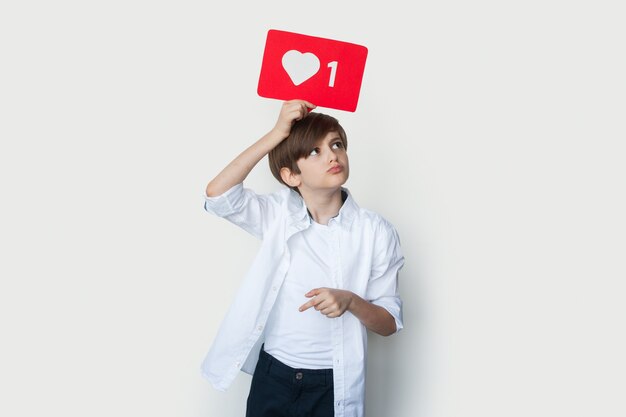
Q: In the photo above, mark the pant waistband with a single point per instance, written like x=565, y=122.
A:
x=306, y=377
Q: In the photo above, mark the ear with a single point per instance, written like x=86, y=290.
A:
x=290, y=178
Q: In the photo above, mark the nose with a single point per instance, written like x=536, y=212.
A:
x=332, y=156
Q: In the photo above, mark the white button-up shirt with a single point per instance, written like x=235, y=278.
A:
x=368, y=258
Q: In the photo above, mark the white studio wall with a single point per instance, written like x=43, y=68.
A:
x=489, y=133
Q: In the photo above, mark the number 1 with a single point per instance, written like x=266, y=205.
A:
x=333, y=71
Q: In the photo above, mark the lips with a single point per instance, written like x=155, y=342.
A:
x=335, y=169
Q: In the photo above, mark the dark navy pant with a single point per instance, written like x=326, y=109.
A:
x=279, y=390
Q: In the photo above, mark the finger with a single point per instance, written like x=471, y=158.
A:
x=290, y=107
x=309, y=105
x=314, y=302
x=306, y=306
x=327, y=310
x=325, y=301
x=305, y=108
x=297, y=113
x=292, y=112
x=311, y=303
x=313, y=292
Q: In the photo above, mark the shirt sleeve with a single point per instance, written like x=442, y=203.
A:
x=382, y=289
x=244, y=208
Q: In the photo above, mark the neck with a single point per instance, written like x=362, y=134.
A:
x=323, y=205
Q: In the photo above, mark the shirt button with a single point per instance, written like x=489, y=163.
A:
x=274, y=288
x=238, y=364
x=260, y=328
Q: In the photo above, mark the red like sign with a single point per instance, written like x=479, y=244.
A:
x=326, y=72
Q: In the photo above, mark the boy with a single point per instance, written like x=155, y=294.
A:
x=326, y=272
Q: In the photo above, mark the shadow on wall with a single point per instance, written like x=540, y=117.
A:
x=397, y=374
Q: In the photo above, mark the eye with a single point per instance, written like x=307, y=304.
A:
x=337, y=145
x=314, y=152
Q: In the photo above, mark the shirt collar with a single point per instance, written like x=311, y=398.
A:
x=300, y=216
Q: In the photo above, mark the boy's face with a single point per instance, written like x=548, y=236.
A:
x=326, y=167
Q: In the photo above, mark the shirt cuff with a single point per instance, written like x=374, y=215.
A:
x=394, y=306
x=222, y=205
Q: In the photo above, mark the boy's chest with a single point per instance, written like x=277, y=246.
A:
x=330, y=257
x=313, y=260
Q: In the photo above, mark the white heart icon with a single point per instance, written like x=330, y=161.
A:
x=300, y=66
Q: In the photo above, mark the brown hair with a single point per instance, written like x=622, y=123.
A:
x=302, y=139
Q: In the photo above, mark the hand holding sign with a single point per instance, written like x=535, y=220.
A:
x=325, y=72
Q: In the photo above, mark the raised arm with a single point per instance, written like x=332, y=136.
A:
x=237, y=171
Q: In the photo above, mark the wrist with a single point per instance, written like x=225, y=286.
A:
x=272, y=139
x=352, y=301
x=278, y=133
